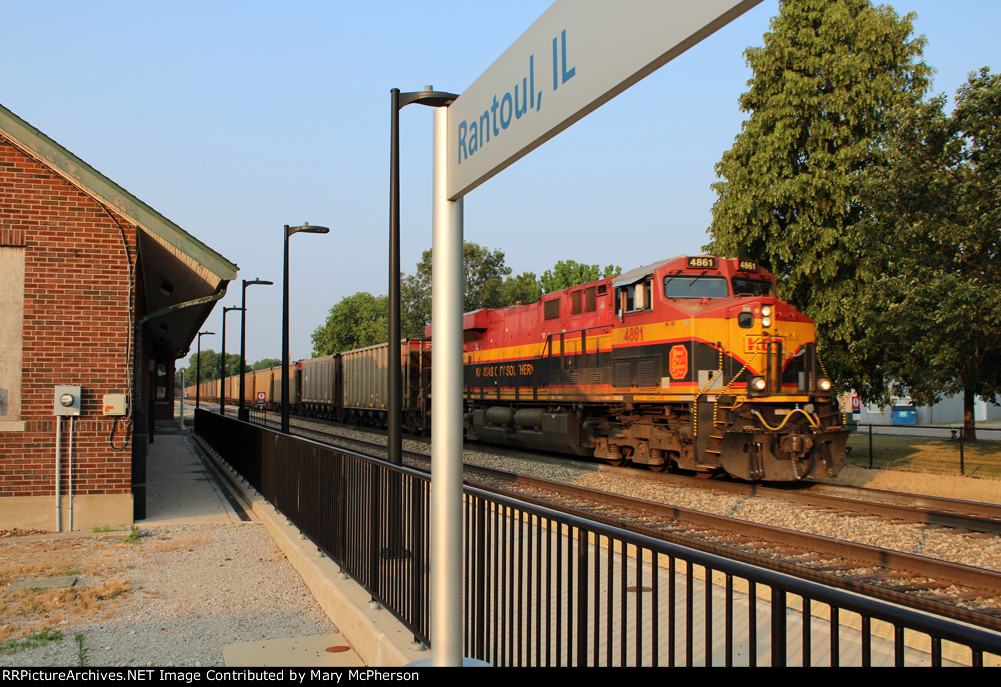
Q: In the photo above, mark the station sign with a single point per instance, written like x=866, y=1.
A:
x=262, y=397
x=577, y=56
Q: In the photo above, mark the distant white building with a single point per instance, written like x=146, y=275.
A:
x=903, y=412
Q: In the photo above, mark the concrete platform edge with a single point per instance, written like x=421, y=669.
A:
x=375, y=635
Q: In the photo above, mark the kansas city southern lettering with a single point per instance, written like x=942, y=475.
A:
x=505, y=370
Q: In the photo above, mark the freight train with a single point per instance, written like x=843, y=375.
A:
x=691, y=362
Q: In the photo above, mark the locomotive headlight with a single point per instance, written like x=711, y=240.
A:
x=758, y=383
x=824, y=384
x=766, y=311
x=766, y=322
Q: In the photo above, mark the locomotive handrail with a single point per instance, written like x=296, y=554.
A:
x=815, y=423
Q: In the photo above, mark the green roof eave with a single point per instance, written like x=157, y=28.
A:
x=92, y=182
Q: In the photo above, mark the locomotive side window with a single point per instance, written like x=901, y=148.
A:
x=624, y=302
x=696, y=287
x=635, y=297
x=753, y=287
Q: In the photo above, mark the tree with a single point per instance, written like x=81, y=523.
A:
x=484, y=274
x=357, y=321
x=567, y=273
x=266, y=363
x=209, y=364
x=932, y=294
x=791, y=188
x=525, y=288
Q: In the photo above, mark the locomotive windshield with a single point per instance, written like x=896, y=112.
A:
x=752, y=287
x=695, y=287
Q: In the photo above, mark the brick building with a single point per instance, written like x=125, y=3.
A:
x=99, y=295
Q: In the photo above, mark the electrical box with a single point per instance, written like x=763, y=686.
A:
x=115, y=404
x=67, y=400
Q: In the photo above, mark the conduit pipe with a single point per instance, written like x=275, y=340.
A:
x=59, y=505
x=70, y=472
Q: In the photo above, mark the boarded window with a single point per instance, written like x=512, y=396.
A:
x=590, y=299
x=11, y=326
x=576, y=303
x=552, y=309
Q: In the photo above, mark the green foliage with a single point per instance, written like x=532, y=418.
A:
x=81, y=650
x=266, y=363
x=567, y=273
x=827, y=85
x=33, y=639
x=361, y=320
x=931, y=300
x=209, y=363
x=357, y=321
x=524, y=288
x=484, y=286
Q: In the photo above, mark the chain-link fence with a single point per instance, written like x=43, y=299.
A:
x=946, y=450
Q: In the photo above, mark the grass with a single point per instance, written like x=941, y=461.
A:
x=100, y=562
x=941, y=456
x=37, y=638
x=81, y=650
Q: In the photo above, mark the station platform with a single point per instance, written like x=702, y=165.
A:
x=186, y=484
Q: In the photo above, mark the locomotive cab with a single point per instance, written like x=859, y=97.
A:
x=766, y=411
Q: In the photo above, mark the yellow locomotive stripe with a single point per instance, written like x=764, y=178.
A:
x=739, y=343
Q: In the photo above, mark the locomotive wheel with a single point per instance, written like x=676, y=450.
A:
x=623, y=458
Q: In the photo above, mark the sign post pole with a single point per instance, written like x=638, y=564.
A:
x=446, y=412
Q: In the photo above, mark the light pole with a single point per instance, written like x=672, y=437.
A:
x=222, y=363
x=304, y=228
x=198, y=368
x=243, y=412
x=394, y=393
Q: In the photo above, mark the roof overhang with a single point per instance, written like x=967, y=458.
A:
x=181, y=276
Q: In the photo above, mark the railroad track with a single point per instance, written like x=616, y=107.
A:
x=965, y=593
x=925, y=510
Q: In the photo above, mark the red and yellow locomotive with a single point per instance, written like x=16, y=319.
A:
x=691, y=361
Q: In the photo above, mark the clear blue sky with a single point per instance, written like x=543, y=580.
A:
x=234, y=118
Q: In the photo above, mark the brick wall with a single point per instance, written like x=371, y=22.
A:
x=76, y=329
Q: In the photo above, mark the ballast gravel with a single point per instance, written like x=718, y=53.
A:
x=941, y=543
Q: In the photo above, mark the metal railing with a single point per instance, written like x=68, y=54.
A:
x=544, y=588
x=927, y=448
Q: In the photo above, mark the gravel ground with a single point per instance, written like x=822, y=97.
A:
x=189, y=591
